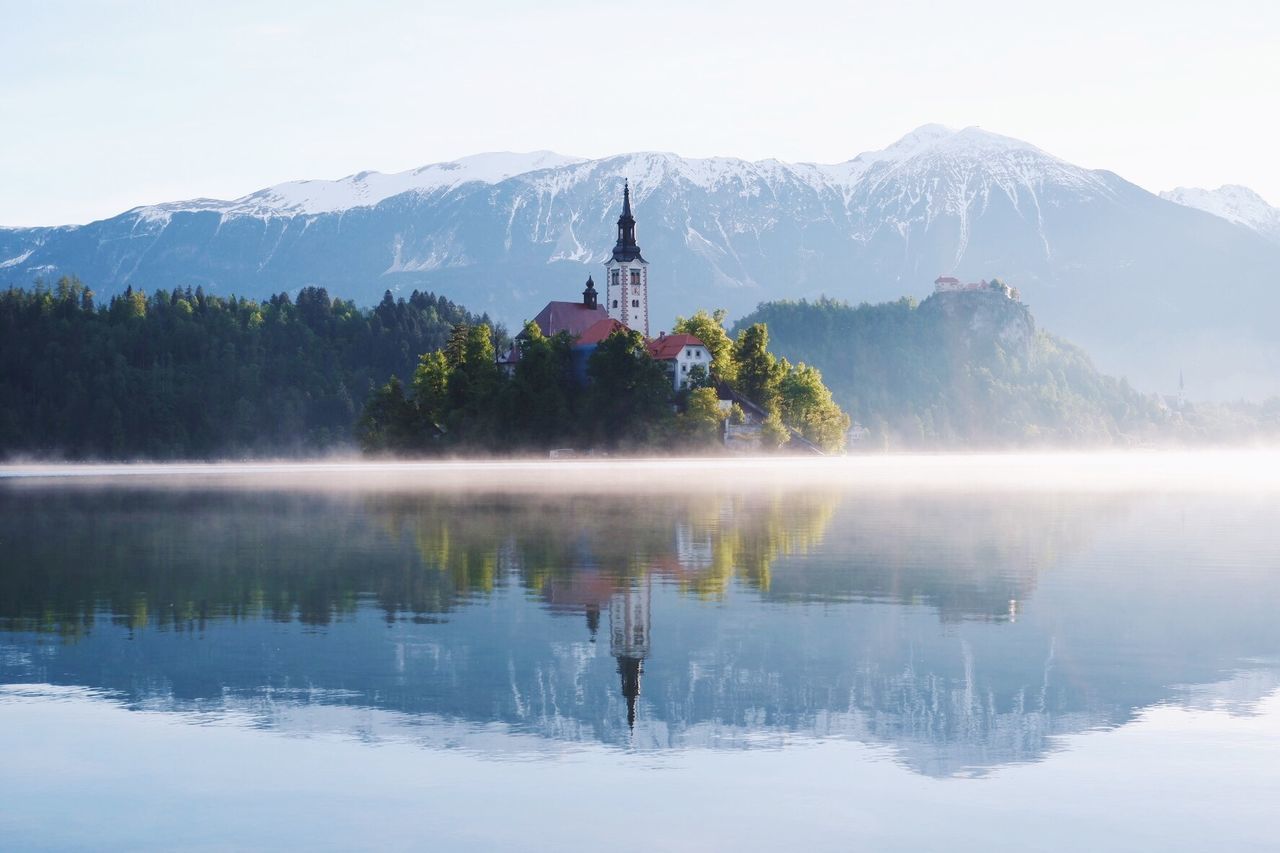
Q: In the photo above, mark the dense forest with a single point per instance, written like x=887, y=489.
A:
x=182, y=374
x=972, y=369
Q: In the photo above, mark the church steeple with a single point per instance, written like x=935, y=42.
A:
x=589, y=295
x=629, y=627
x=627, y=281
x=630, y=668
x=626, y=248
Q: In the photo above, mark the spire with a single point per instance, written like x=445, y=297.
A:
x=630, y=668
x=626, y=248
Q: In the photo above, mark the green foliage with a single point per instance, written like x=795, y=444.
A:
x=758, y=371
x=699, y=423
x=182, y=374
x=389, y=421
x=473, y=383
x=774, y=434
x=794, y=397
x=709, y=328
x=806, y=405
x=541, y=398
x=626, y=404
x=431, y=386
x=699, y=377
x=629, y=394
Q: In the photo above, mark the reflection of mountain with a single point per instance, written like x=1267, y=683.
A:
x=970, y=557
x=711, y=620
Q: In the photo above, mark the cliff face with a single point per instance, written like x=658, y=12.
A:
x=966, y=369
x=975, y=320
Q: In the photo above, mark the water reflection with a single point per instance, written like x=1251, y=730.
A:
x=966, y=631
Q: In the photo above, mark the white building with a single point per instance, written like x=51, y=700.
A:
x=951, y=284
x=679, y=354
x=627, y=274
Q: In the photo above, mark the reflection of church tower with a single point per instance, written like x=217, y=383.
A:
x=629, y=640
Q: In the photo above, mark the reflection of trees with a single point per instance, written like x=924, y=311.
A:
x=699, y=542
x=177, y=559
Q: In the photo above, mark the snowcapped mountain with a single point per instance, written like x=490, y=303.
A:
x=1101, y=261
x=1233, y=203
x=303, y=198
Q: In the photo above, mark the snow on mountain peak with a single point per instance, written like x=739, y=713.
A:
x=1233, y=203
x=931, y=138
x=366, y=189
x=978, y=152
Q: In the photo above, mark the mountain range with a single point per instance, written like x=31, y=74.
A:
x=1152, y=286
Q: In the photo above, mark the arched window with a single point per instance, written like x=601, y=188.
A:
x=615, y=303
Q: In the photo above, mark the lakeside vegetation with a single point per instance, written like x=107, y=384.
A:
x=624, y=402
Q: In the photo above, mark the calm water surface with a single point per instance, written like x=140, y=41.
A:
x=691, y=661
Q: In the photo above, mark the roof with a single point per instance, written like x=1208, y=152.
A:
x=572, y=317
x=946, y=279
x=598, y=331
x=665, y=347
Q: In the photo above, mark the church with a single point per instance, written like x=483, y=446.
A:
x=626, y=305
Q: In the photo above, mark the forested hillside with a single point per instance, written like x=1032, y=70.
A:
x=960, y=369
x=177, y=374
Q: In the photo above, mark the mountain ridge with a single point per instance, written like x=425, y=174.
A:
x=1234, y=203
x=1105, y=263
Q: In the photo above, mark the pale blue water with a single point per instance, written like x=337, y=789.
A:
x=825, y=666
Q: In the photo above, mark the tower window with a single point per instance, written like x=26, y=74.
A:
x=615, y=303
x=635, y=303
x=635, y=278
x=615, y=279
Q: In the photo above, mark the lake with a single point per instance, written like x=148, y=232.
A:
x=1053, y=652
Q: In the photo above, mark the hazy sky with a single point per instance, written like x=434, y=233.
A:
x=109, y=105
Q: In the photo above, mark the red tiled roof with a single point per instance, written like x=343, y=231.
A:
x=572, y=317
x=664, y=347
x=946, y=279
x=598, y=331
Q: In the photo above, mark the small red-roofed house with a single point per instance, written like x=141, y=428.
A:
x=679, y=354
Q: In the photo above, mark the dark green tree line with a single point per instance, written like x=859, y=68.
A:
x=185, y=374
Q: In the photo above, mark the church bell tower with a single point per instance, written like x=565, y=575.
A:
x=627, y=274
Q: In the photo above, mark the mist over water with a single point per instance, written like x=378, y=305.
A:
x=681, y=647
x=1231, y=469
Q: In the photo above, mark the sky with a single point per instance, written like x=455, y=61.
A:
x=108, y=105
